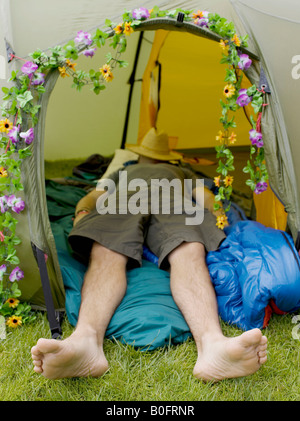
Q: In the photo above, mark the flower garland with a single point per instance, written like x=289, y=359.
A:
x=23, y=100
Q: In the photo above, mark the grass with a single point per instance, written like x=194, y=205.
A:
x=162, y=375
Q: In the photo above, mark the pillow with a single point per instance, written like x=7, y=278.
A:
x=120, y=157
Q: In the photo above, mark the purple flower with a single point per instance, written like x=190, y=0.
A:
x=89, y=52
x=256, y=138
x=243, y=99
x=84, y=37
x=4, y=206
x=16, y=274
x=13, y=134
x=39, y=79
x=2, y=271
x=141, y=13
x=28, y=136
x=260, y=187
x=203, y=21
x=29, y=68
x=16, y=203
x=245, y=62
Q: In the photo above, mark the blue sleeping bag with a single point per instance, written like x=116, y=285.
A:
x=253, y=266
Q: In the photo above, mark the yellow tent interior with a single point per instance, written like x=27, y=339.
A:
x=191, y=86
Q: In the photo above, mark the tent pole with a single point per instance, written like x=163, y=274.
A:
x=131, y=82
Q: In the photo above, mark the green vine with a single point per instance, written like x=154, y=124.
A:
x=20, y=113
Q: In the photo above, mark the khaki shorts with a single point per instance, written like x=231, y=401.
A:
x=126, y=234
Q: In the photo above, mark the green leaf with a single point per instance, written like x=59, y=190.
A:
x=23, y=153
x=123, y=45
x=24, y=98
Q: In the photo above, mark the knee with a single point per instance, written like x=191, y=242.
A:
x=100, y=254
x=187, y=252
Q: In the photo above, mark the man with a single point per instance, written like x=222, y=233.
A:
x=112, y=241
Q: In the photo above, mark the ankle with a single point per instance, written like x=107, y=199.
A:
x=209, y=339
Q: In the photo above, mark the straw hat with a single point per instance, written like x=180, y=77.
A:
x=155, y=145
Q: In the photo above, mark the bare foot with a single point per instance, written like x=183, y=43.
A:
x=232, y=357
x=75, y=356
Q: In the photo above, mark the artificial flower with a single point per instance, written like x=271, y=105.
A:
x=235, y=39
x=12, y=302
x=256, y=138
x=14, y=321
x=222, y=221
x=119, y=29
x=106, y=72
x=260, y=187
x=13, y=134
x=16, y=274
x=70, y=64
x=217, y=181
x=232, y=138
x=28, y=136
x=39, y=79
x=4, y=204
x=243, y=99
x=141, y=13
x=245, y=62
x=29, y=68
x=220, y=136
x=63, y=71
x=201, y=18
x=89, y=52
x=2, y=237
x=16, y=203
x=229, y=90
x=2, y=271
x=83, y=37
x=5, y=125
x=127, y=28
x=224, y=44
x=198, y=15
x=3, y=172
x=228, y=180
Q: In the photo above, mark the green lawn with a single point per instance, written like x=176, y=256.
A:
x=161, y=375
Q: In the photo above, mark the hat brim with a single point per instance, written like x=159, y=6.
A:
x=139, y=149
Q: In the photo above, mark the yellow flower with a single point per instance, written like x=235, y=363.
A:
x=12, y=302
x=228, y=180
x=229, y=90
x=217, y=181
x=128, y=30
x=5, y=125
x=3, y=172
x=63, y=72
x=119, y=29
x=198, y=15
x=232, y=138
x=106, y=72
x=222, y=221
x=224, y=44
x=14, y=321
x=220, y=136
x=236, y=40
x=70, y=64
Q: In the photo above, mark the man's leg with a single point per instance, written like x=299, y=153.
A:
x=219, y=357
x=82, y=354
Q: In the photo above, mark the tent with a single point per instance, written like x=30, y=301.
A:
x=180, y=58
